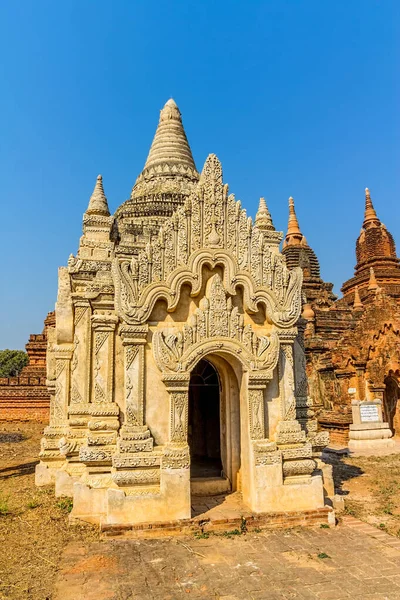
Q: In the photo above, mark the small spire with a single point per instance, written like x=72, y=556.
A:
x=98, y=202
x=357, y=304
x=294, y=236
x=263, y=217
x=370, y=216
x=372, y=284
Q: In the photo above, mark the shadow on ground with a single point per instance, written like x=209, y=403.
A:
x=342, y=471
x=18, y=470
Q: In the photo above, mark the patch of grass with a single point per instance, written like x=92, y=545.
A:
x=323, y=555
x=232, y=532
x=382, y=526
x=201, y=535
x=4, y=508
x=324, y=526
x=349, y=511
x=34, y=503
x=65, y=504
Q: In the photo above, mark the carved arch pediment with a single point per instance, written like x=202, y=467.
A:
x=210, y=229
x=134, y=308
x=216, y=325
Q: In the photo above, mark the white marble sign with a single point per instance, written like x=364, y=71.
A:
x=368, y=413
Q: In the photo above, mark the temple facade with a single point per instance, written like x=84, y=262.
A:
x=352, y=344
x=177, y=363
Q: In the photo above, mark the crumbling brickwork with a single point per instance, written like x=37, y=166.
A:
x=26, y=398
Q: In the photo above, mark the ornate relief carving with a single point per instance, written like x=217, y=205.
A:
x=215, y=318
x=293, y=468
x=136, y=477
x=256, y=409
x=179, y=416
x=217, y=221
x=88, y=455
x=177, y=457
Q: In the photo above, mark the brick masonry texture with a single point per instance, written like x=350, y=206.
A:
x=353, y=560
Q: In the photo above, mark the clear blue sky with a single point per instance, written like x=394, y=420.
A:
x=296, y=98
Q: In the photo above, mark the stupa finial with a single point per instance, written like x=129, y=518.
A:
x=170, y=145
x=370, y=216
x=357, y=304
x=372, y=284
x=294, y=235
x=263, y=217
x=98, y=204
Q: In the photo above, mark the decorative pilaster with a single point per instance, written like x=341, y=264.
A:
x=59, y=397
x=103, y=424
x=80, y=366
x=134, y=339
x=256, y=391
x=177, y=385
x=103, y=326
x=63, y=356
x=291, y=439
x=286, y=374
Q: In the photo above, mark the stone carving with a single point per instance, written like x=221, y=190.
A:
x=266, y=453
x=215, y=318
x=176, y=457
x=136, y=477
x=293, y=468
x=212, y=223
x=256, y=402
x=96, y=455
x=179, y=408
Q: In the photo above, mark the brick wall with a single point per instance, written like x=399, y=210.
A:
x=24, y=399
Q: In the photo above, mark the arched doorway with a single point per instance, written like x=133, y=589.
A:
x=204, y=426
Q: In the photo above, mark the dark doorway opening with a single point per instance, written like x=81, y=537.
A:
x=204, y=430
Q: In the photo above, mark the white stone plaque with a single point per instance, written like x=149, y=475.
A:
x=352, y=390
x=368, y=413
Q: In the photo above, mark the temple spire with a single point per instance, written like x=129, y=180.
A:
x=98, y=204
x=357, y=304
x=370, y=216
x=170, y=143
x=372, y=284
x=294, y=235
x=263, y=217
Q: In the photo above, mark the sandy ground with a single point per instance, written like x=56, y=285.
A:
x=33, y=523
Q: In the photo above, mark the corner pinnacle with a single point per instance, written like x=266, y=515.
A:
x=98, y=204
x=357, y=304
x=263, y=217
x=372, y=284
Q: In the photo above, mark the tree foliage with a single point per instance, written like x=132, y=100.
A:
x=12, y=362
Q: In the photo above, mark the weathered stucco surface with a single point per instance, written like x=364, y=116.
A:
x=178, y=275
